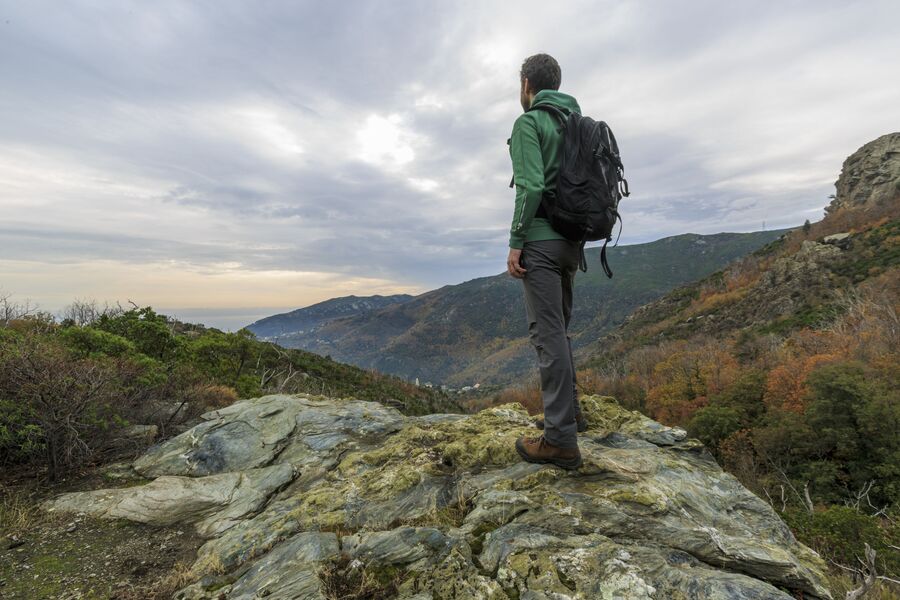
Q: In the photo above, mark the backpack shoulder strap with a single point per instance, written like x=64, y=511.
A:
x=553, y=110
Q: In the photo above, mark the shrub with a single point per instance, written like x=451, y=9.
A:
x=744, y=396
x=213, y=396
x=712, y=424
x=87, y=341
x=528, y=396
x=840, y=532
x=149, y=332
x=64, y=404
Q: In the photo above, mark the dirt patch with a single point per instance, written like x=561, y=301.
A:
x=76, y=556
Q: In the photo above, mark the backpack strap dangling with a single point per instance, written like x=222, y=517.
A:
x=582, y=260
x=603, y=262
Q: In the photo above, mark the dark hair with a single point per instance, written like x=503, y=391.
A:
x=542, y=71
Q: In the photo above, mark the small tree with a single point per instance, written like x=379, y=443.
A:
x=63, y=403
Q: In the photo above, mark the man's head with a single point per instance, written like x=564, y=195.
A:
x=539, y=72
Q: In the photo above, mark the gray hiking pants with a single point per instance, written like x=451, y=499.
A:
x=550, y=272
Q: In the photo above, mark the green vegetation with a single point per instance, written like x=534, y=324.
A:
x=343, y=580
x=840, y=533
x=872, y=253
x=806, y=316
x=786, y=365
x=70, y=389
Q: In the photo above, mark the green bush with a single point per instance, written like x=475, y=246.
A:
x=712, y=424
x=87, y=341
x=20, y=438
x=56, y=406
x=841, y=532
x=149, y=332
x=745, y=396
x=845, y=438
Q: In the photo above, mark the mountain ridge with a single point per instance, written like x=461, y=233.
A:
x=307, y=318
x=476, y=331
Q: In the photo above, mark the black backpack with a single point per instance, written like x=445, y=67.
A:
x=584, y=206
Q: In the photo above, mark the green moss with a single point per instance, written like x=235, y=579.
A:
x=60, y=562
x=532, y=480
x=539, y=571
x=321, y=508
x=603, y=412
x=641, y=497
x=47, y=575
x=445, y=517
x=410, y=456
x=455, y=577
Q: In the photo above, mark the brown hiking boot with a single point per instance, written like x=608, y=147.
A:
x=579, y=419
x=539, y=450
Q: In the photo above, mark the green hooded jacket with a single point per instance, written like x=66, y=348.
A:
x=535, y=151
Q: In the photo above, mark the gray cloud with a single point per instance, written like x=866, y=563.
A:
x=369, y=138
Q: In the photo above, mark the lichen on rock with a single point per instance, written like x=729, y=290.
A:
x=310, y=490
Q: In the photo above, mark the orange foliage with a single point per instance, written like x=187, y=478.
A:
x=738, y=456
x=786, y=385
x=711, y=300
x=593, y=382
x=528, y=396
x=683, y=382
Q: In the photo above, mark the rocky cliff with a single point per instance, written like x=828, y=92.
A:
x=871, y=175
x=298, y=496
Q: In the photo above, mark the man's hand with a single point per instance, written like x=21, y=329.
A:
x=512, y=263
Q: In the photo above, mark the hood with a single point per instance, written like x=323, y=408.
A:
x=557, y=98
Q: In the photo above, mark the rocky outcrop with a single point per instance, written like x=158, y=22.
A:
x=294, y=493
x=871, y=175
x=786, y=285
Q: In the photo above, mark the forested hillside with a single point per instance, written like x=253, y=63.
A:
x=786, y=364
x=476, y=332
x=71, y=389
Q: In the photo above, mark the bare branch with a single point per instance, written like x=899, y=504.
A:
x=868, y=573
x=806, y=499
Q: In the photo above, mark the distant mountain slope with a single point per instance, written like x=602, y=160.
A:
x=793, y=282
x=476, y=331
x=307, y=319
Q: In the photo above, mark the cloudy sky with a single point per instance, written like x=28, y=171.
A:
x=224, y=160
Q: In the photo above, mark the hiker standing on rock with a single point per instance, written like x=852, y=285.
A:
x=545, y=261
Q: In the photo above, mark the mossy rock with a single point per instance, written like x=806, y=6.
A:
x=443, y=507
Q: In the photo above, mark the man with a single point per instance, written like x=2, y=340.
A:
x=546, y=262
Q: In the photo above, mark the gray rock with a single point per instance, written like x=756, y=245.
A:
x=288, y=571
x=245, y=435
x=141, y=433
x=448, y=509
x=214, y=503
x=871, y=175
x=841, y=240
x=402, y=546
